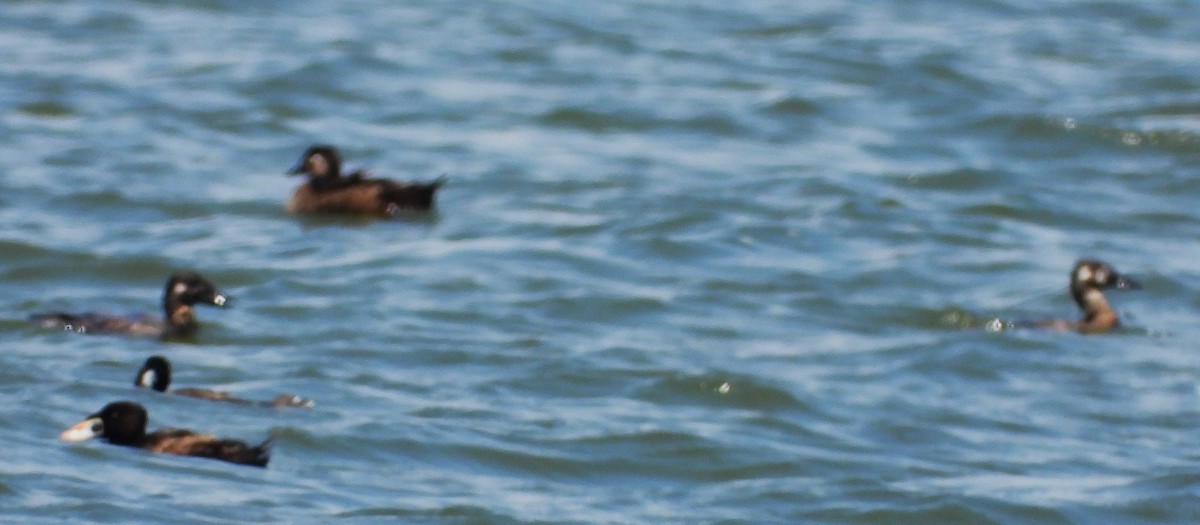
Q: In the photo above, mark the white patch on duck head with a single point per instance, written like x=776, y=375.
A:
x=147, y=379
x=318, y=165
x=180, y=288
x=1084, y=274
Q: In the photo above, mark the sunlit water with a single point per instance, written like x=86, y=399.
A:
x=696, y=261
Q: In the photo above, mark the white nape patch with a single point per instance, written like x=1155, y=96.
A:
x=179, y=288
x=147, y=379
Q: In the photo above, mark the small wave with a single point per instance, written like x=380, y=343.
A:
x=720, y=390
x=452, y=513
x=608, y=122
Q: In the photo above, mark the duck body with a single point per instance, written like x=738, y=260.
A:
x=100, y=323
x=327, y=190
x=156, y=374
x=124, y=423
x=184, y=290
x=1089, y=279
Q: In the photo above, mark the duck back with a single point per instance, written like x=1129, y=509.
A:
x=182, y=442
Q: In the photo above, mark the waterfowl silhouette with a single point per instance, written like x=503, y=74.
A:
x=156, y=374
x=1088, y=280
x=329, y=191
x=124, y=423
x=184, y=290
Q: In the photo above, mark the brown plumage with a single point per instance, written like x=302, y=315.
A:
x=124, y=423
x=329, y=191
x=156, y=374
x=1088, y=280
x=183, y=291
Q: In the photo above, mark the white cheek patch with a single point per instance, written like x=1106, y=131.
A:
x=317, y=165
x=1084, y=274
x=147, y=378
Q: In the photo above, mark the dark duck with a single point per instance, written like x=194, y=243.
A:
x=156, y=374
x=1089, y=279
x=183, y=292
x=124, y=423
x=329, y=191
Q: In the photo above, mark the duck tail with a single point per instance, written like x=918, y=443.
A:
x=416, y=196
x=289, y=401
x=260, y=454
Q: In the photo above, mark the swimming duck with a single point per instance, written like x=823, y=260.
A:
x=1088, y=279
x=156, y=374
x=329, y=191
x=183, y=291
x=124, y=423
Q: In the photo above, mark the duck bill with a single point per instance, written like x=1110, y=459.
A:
x=219, y=300
x=84, y=430
x=297, y=169
x=1125, y=283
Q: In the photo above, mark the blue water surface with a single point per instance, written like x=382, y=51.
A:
x=696, y=262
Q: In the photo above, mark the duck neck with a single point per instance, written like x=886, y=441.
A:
x=180, y=317
x=325, y=182
x=1097, y=313
x=129, y=433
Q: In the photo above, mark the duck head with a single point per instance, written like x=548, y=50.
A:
x=155, y=373
x=319, y=161
x=121, y=423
